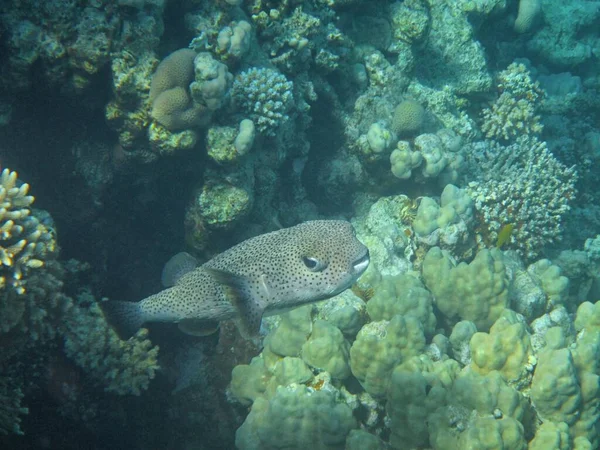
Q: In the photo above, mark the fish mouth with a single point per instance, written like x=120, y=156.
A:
x=361, y=264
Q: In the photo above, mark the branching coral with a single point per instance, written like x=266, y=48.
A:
x=522, y=184
x=266, y=96
x=122, y=367
x=514, y=112
x=24, y=241
x=30, y=278
x=10, y=407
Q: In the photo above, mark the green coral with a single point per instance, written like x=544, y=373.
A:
x=296, y=417
x=507, y=349
x=166, y=142
x=481, y=412
x=291, y=334
x=223, y=205
x=327, y=350
x=381, y=346
x=417, y=388
x=477, y=291
x=121, y=367
x=405, y=295
x=220, y=145
x=10, y=407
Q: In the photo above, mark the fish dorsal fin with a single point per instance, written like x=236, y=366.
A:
x=177, y=267
x=240, y=294
x=198, y=327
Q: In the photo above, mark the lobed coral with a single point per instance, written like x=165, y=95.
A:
x=296, y=416
x=403, y=295
x=477, y=291
x=435, y=155
x=448, y=224
x=381, y=346
x=528, y=15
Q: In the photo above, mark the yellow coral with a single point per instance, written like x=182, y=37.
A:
x=24, y=240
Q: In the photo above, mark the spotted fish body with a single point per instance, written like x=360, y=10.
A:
x=266, y=274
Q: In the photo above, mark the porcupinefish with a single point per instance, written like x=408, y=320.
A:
x=263, y=275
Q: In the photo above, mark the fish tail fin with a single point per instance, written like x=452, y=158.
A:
x=125, y=317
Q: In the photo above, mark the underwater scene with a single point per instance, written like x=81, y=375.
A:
x=300, y=224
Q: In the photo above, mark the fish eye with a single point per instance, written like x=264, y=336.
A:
x=313, y=263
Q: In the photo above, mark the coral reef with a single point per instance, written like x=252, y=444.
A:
x=521, y=184
x=461, y=138
x=36, y=313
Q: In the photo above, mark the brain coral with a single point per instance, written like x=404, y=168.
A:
x=408, y=118
x=172, y=105
x=176, y=70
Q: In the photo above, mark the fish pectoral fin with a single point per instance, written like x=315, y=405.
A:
x=198, y=327
x=238, y=291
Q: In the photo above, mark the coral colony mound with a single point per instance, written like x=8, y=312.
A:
x=262, y=225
